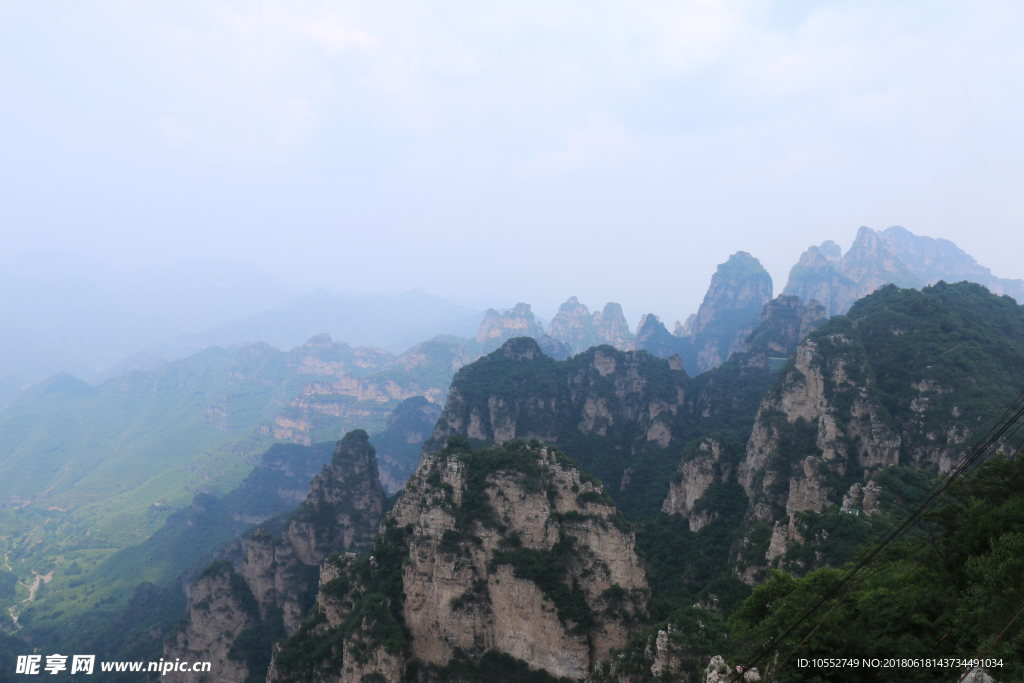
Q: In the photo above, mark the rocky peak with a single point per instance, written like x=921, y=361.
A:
x=817, y=277
x=877, y=389
x=508, y=551
x=574, y=325
x=739, y=285
x=832, y=251
x=739, y=290
x=265, y=590
x=344, y=505
x=872, y=263
x=731, y=308
x=579, y=329
x=515, y=322
x=612, y=327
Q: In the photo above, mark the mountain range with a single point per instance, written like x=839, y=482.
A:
x=734, y=448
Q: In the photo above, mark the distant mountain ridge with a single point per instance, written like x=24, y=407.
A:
x=892, y=256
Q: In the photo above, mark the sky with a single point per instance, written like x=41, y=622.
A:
x=508, y=151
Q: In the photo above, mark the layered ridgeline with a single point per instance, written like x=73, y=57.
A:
x=892, y=256
x=91, y=472
x=870, y=409
x=620, y=414
x=121, y=607
x=266, y=584
x=494, y=562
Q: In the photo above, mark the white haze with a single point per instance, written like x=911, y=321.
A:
x=526, y=150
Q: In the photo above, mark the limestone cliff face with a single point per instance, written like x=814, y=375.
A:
x=509, y=549
x=222, y=607
x=599, y=392
x=577, y=327
x=268, y=584
x=872, y=263
x=890, y=384
x=701, y=466
x=818, y=423
x=739, y=290
x=344, y=505
x=516, y=322
x=471, y=584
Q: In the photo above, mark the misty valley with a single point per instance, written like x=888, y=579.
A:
x=372, y=489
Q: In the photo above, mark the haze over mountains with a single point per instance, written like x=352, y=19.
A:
x=102, y=482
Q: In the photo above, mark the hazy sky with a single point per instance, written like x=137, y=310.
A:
x=525, y=150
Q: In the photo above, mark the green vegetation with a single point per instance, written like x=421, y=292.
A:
x=549, y=569
x=371, y=587
x=949, y=595
x=255, y=645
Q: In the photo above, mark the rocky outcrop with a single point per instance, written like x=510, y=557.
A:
x=731, y=308
x=871, y=263
x=518, y=392
x=577, y=327
x=701, y=466
x=816, y=277
x=612, y=327
x=222, y=607
x=267, y=586
x=729, y=313
x=344, y=505
x=515, y=322
x=885, y=386
x=507, y=550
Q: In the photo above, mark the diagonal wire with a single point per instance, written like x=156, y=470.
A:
x=994, y=435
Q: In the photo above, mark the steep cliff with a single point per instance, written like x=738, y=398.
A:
x=869, y=264
x=507, y=551
x=222, y=608
x=239, y=609
x=624, y=415
x=904, y=384
x=729, y=313
x=739, y=290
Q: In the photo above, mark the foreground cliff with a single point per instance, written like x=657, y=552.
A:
x=496, y=555
x=239, y=608
x=869, y=408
